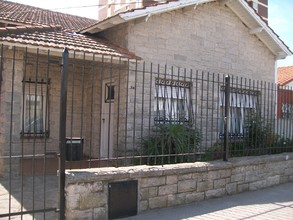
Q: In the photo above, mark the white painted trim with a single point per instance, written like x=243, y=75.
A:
x=266, y=29
x=161, y=8
x=58, y=52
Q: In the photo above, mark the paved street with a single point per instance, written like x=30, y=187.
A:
x=275, y=203
x=32, y=193
x=271, y=203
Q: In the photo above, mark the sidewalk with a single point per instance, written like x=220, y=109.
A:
x=270, y=203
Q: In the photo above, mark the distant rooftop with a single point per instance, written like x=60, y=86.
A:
x=285, y=75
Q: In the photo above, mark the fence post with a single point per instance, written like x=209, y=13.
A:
x=226, y=117
x=62, y=133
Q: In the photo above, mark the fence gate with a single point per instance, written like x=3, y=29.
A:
x=29, y=147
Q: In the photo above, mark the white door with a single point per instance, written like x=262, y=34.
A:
x=107, y=120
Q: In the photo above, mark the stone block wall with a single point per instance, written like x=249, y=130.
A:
x=169, y=185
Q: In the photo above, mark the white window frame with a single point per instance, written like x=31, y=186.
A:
x=287, y=110
x=242, y=102
x=172, y=101
x=35, y=111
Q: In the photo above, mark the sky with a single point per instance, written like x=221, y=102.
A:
x=280, y=16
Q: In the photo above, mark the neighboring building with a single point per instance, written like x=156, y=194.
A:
x=109, y=8
x=285, y=92
x=31, y=44
x=285, y=76
x=261, y=7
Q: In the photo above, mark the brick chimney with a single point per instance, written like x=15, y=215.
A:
x=261, y=7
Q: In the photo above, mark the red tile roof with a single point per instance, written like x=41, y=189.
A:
x=30, y=26
x=54, y=37
x=19, y=13
x=285, y=75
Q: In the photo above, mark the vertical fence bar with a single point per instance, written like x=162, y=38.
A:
x=126, y=109
x=72, y=103
x=226, y=119
x=11, y=130
x=1, y=65
x=83, y=69
x=118, y=109
x=62, y=133
x=142, y=107
x=46, y=128
x=92, y=108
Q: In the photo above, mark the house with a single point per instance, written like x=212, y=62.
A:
x=113, y=98
x=31, y=44
x=226, y=37
x=285, y=94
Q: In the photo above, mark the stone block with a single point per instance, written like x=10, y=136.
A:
x=153, y=192
x=220, y=183
x=77, y=214
x=153, y=181
x=92, y=200
x=204, y=186
x=167, y=189
x=176, y=199
x=251, y=176
x=194, y=197
x=158, y=202
x=185, y=176
x=288, y=171
x=171, y=179
x=215, y=193
x=186, y=186
x=239, y=177
x=144, y=194
x=212, y=175
x=231, y=188
x=200, y=176
x=257, y=185
x=100, y=213
x=81, y=188
x=143, y=206
x=284, y=179
x=72, y=201
x=242, y=187
x=273, y=180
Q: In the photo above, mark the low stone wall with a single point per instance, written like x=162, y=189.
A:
x=169, y=185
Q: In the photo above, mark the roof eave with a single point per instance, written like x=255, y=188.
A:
x=76, y=55
x=239, y=7
x=254, y=22
x=140, y=13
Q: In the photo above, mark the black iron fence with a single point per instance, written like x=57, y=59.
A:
x=96, y=111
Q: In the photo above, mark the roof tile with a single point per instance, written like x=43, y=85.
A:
x=20, y=13
x=285, y=75
x=28, y=25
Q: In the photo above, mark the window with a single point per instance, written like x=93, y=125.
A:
x=109, y=93
x=287, y=110
x=172, y=101
x=255, y=5
x=242, y=103
x=35, y=114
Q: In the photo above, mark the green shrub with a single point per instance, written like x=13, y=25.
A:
x=171, y=143
x=213, y=153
